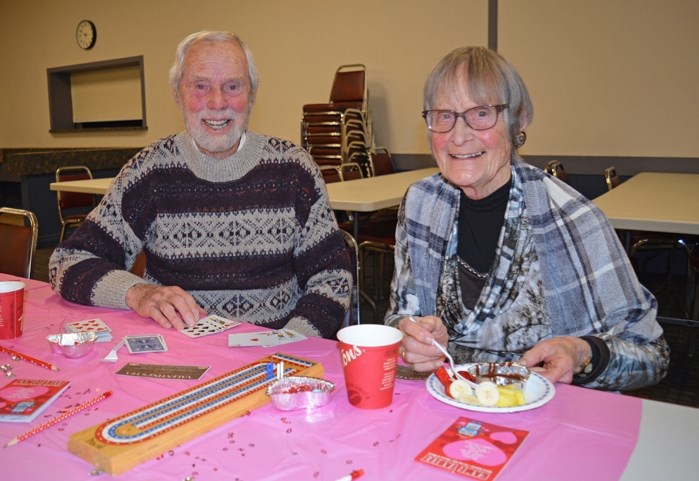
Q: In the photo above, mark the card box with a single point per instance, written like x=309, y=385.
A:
x=22, y=400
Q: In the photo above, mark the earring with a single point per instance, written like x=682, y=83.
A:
x=520, y=139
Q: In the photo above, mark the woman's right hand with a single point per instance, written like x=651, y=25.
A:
x=416, y=348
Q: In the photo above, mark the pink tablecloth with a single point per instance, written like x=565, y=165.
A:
x=580, y=435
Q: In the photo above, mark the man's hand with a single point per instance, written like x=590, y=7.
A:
x=168, y=306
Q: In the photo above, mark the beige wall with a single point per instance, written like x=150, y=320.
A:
x=608, y=77
x=297, y=47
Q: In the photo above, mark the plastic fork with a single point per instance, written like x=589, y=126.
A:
x=486, y=391
x=455, y=373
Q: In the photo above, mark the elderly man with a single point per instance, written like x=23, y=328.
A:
x=231, y=222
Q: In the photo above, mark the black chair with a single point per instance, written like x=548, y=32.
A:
x=355, y=314
x=692, y=284
x=73, y=207
x=19, y=231
x=611, y=178
x=556, y=169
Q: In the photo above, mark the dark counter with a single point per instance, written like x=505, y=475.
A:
x=25, y=175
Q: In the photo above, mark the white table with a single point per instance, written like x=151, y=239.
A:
x=654, y=201
x=88, y=186
x=361, y=195
x=667, y=443
x=373, y=193
x=657, y=202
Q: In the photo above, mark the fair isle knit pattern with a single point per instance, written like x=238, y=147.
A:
x=251, y=237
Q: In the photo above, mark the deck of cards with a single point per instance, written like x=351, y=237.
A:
x=209, y=325
x=264, y=338
x=101, y=330
x=146, y=343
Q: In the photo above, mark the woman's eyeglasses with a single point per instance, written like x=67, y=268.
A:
x=482, y=117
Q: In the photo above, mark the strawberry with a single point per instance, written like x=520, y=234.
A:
x=468, y=376
x=444, y=377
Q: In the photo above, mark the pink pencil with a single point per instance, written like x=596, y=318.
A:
x=30, y=359
x=58, y=419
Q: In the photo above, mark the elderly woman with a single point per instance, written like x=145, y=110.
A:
x=499, y=261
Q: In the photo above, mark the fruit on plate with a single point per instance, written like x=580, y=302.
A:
x=510, y=396
x=487, y=393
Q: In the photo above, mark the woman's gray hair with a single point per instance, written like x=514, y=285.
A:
x=490, y=78
x=177, y=69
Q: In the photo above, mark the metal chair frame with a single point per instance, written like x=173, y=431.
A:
x=556, y=169
x=71, y=201
x=18, y=263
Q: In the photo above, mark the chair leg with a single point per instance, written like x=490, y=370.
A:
x=63, y=232
x=380, y=274
x=691, y=303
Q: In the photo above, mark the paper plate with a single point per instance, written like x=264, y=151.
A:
x=537, y=391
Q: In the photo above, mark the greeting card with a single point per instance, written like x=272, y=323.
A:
x=474, y=449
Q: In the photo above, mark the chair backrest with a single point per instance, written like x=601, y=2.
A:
x=556, y=169
x=349, y=84
x=611, y=178
x=331, y=173
x=355, y=304
x=351, y=171
x=339, y=173
x=381, y=162
x=19, y=231
x=72, y=200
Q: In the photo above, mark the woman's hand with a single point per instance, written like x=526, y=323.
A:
x=416, y=347
x=168, y=306
x=557, y=358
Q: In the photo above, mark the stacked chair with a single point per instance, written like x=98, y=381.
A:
x=338, y=135
x=339, y=131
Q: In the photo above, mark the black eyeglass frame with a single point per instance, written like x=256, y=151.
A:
x=498, y=108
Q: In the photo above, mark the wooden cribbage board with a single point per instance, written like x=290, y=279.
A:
x=123, y=442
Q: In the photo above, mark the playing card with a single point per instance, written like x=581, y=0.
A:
x=141, y=344
x=209, y=325
x=290, y=336
x=258, y=339
x=101, y=330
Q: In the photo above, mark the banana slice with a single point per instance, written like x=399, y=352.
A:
x=460, y=390
x=487, y=393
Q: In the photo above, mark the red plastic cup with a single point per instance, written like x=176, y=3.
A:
x=369, y=359
x=11, y=309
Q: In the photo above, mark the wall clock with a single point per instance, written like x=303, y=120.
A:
x=86, y=34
